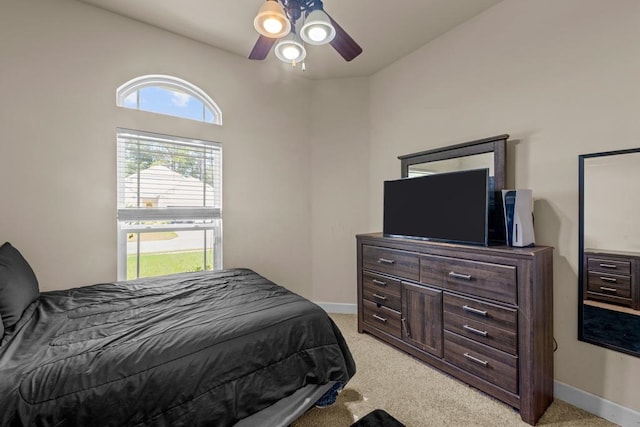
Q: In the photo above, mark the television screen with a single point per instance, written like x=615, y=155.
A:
x=451, y=207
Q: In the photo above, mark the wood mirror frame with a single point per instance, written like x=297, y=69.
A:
x=495, y=144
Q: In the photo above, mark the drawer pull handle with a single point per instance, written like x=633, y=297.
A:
x=604, y=288
x=379, y=297
x=460, y=275
x=608, y=279
x=476, y=360
x=379, y=282
x=380, y=318
x=386, y=261
x=475, y=331
x=406, y=328
x=608, y=266
x=474, y=310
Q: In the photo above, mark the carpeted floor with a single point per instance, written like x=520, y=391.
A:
x=419, y=396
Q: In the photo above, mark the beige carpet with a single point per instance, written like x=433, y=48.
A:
x=418, y=395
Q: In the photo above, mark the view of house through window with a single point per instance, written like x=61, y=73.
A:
x=169, y=204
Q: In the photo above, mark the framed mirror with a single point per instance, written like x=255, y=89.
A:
x=609, y=247
x=482, y=153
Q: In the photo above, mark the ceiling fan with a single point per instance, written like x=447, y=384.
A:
x=276, y=23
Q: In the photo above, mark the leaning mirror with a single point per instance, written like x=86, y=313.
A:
x=483, y=153
x=609, y=246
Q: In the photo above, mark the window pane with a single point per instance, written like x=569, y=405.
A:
x=170, y=102
x=161, y=176
x=131, y=101
x=168, y=252
x=170, y=96
x=169, y=204
x=208, y=115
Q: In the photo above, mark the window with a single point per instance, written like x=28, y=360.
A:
x=169, y=96
x=169, y=204
x=169, y=188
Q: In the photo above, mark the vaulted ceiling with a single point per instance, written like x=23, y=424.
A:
x=386, y=30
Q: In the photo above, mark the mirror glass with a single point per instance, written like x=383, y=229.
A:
x=477, y=161
x=609, y=285
x=479, y=154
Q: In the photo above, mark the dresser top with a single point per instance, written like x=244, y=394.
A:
x=416, y=244
x=605, y=252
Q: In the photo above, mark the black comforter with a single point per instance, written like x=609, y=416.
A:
x=205, y=348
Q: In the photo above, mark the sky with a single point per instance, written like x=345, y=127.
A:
x=170, y=102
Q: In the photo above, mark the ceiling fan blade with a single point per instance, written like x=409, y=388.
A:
x=262, y=47
x=343, y=43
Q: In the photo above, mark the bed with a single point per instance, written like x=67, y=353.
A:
x=206, y=348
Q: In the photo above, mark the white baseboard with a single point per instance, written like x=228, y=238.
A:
x=339, y=308
x=596, y=405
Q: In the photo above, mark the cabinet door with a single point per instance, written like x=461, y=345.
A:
x=422, y=318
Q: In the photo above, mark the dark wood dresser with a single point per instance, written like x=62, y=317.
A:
x=481, y=314
x=612, y=277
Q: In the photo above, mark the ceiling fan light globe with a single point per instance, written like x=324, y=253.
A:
x=270, y=15
x=317, y=29
x=317, y=33
x=290, y=49
x=272, y=25
x=291, y=52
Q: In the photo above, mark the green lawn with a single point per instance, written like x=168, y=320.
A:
x=167, y=263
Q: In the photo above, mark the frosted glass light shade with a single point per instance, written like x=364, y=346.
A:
x=290, y=49
x=271, y=21
x=317, y=28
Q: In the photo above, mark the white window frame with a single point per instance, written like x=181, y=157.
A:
x=169, y=82
x=178, y=213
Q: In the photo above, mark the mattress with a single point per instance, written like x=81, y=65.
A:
x=205, y=348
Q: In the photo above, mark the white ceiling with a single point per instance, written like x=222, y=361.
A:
x=386, y=30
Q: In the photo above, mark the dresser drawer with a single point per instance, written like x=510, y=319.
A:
x=490, y=364
x=380, y=283
x=391, y=261
x=608, y=265
x=382, y=290
x=486, y=323
x=382, y=318
x=609, y=284
x=492, y=281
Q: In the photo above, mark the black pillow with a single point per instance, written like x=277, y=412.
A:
x=18, y=285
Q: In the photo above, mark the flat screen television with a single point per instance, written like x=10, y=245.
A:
x=449, y=207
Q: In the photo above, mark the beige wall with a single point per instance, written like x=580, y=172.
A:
x=61, y=62
x=340, y=177
x=562, y=78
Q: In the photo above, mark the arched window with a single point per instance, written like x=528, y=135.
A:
x=170, y=96
x=169, y=187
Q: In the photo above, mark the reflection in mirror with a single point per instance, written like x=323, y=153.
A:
x=479, y=154
x=477, y=161
x=610, y=250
